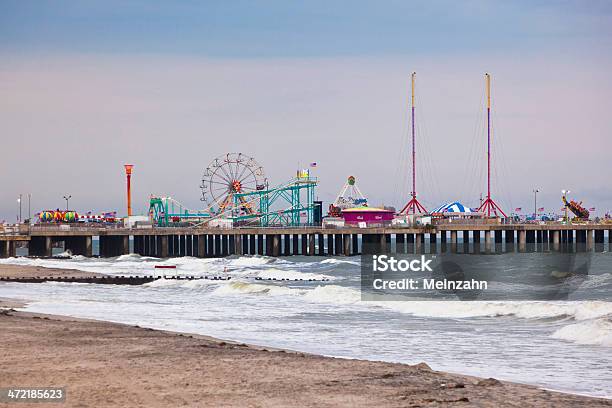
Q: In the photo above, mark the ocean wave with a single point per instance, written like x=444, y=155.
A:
x=132, y=257
x=246, y=261
x=273, y=273
x=237, y=287
x=189, y=284
x=334, y=261
x=596, y=281
x=579, y=310
x=333, y=294
x=593, y=332
x=57, y=283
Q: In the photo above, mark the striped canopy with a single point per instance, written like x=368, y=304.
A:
x=454, y=207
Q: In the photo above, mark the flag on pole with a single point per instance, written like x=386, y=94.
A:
x=518, y=209
x=592, y=209
x=313, y=164
x=541, y=209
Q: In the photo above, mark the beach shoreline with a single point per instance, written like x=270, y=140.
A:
x=93, y=359
x=31, y=271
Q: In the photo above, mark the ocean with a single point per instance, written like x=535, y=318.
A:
x=558, y=345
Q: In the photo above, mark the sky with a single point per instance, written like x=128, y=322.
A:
x=86, y=86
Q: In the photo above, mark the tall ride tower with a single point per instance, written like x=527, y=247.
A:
x=489, y=206
x=413, y=206
x=128, y=174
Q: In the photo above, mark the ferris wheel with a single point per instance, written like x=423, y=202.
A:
x=230, y=174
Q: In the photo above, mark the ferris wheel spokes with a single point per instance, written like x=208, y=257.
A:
x=228, y=175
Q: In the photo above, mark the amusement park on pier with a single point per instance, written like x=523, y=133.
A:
x=237, y=194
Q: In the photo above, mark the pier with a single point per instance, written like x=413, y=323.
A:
x=164, y=242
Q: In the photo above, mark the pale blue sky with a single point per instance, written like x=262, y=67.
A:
x=240, y=29
x=89, y=85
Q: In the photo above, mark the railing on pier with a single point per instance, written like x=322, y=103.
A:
x=15, y=229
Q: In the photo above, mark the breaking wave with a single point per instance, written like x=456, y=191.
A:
x=235, y=288
x=188, y=284
x=290, y=274
x=521, y=309
x=593, y=332
x=335, y=261
x=333, y=294
x=246, y=261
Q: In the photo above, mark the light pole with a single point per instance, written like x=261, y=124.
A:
x=29, y=207
x=67, y=198
x=19, y=201
x=535, y=203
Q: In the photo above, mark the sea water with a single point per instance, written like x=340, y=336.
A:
x=559, y=345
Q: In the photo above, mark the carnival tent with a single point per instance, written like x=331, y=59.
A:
x=453, y=208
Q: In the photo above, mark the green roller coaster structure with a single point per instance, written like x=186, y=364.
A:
x=291, y=204
x=294, y=200
x=166, y=211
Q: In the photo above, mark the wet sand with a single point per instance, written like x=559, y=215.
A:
x=115, y=365
x=28, y=271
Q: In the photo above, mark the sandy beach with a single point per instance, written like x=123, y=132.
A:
x=115, y=365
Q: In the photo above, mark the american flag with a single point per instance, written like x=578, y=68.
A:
x=592, y=209
x=518, y=209
x=541, y=209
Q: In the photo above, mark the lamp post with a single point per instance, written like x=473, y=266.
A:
x=19, y=201
x=535, y=203
x=67, y=198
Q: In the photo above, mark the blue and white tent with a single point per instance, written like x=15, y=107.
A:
x=453, y=208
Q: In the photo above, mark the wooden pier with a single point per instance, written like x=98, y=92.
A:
x=309, y=241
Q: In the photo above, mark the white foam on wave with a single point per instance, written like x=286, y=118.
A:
x=76, y=262
x=131, y=257
x=333, y=294
x=246, y=261
x=55, y=283
x=273, y=273
x=522, y=309
x=175, y=283
x=334, y=261
x=595, y=281
x=237, y=287
x=593, y=332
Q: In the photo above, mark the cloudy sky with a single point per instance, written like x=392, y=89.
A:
x=86, y=86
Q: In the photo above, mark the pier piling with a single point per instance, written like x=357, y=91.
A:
x=347, y=244
x=453, y=236
x=38, y=246
x=321, y=243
